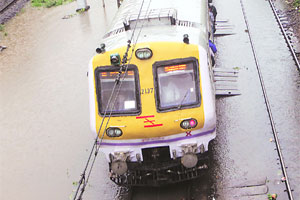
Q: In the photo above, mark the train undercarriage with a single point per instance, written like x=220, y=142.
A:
x=160, y=170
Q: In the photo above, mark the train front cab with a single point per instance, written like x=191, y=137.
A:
x=163, y=115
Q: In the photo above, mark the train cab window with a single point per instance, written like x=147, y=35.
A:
x=125, y=99
x=177, y=84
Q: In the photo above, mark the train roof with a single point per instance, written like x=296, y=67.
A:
x=166, y=20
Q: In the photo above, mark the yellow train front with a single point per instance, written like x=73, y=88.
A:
x=152, y=102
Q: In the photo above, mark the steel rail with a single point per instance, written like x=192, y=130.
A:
x=7, y=6
x=285, y=35
x=287, y=182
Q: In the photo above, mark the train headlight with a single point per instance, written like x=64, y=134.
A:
x=113, y=132
x=185, y=124
x=188, y=123
x=143, y=54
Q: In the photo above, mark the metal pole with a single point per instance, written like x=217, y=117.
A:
x=103, y=3
x=82, y=6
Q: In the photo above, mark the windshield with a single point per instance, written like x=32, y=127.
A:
x=177, y=86
x=124, y=98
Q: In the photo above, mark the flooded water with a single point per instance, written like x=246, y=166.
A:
x=44, y=114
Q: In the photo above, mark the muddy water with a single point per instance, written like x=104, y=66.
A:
x=44, y=120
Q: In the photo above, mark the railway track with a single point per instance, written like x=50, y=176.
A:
x=281, y=20
x=4, y=5
x=9, y=8
x=189, y=190
x=274, y=131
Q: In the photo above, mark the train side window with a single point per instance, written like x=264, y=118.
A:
x=125, y=99
x=177, y=84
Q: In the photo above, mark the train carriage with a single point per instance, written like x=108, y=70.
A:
x=152, y=101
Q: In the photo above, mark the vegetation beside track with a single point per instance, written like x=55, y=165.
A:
x=2, y=31
x=1, y=27
x=49, y=3
x=296, y=4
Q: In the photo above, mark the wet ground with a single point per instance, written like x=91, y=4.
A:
x=44, y=113
x=44, y=120
x=245, y=150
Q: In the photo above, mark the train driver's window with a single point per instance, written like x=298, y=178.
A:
x=177, y=86
x=124, y=99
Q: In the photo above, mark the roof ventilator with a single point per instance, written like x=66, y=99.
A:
x=153, y=17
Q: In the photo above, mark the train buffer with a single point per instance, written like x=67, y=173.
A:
x=226, y=83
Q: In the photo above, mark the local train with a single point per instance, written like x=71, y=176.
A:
x=152, y=95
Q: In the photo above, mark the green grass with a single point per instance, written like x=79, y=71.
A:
x=296, y=3
x=2, y=27
x=49, y=3
x=2, y=30
x=21, y=11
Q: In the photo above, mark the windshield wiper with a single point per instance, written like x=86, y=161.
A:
x=187, y=92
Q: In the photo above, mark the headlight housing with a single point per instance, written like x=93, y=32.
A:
x=143, y=53
x=188, y=123
x=113, y=132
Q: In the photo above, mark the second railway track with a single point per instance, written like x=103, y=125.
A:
x=9, y=8
x=189, y=191
x=266, y=99
x=286, y=37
